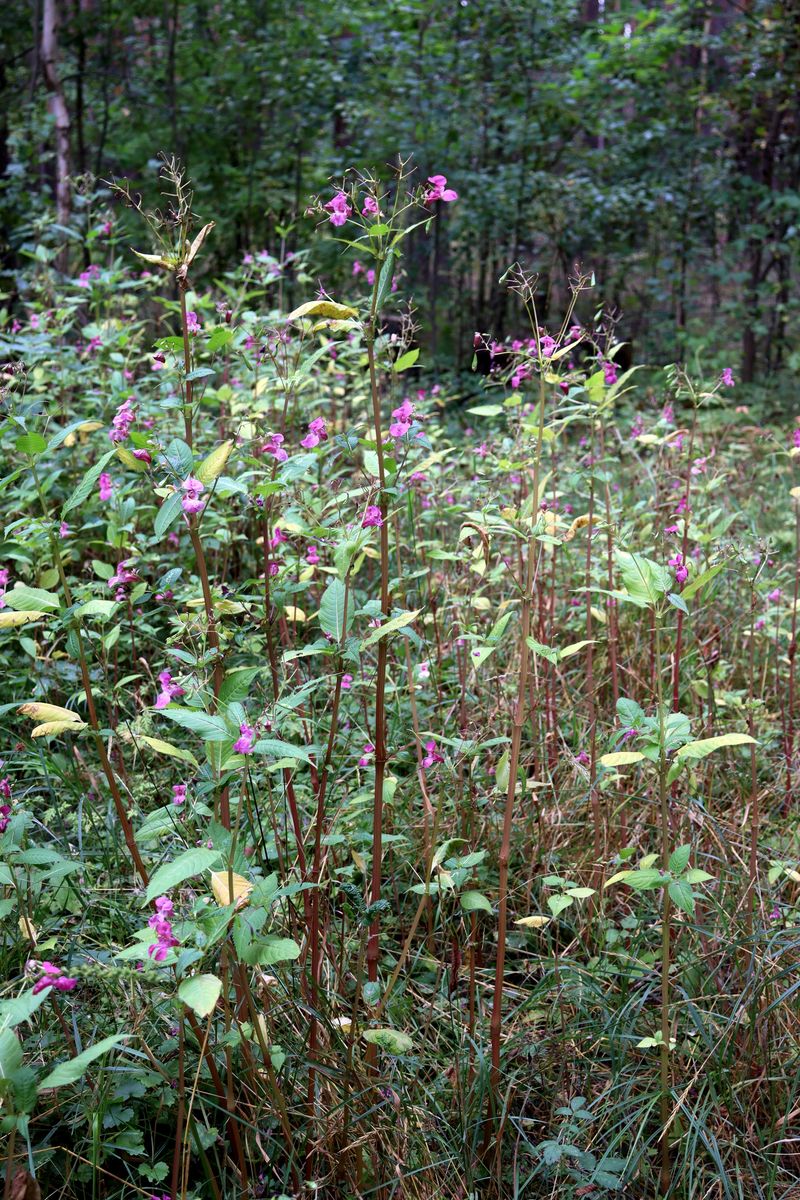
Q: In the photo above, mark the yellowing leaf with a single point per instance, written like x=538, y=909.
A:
x=130, y=460
x=50, y=727
x=10, y=619
x=534, y=922
x=323, y=308
x=162, y=747
x=213, y=466
x=49, y=712
x=795, y=491
x=221, y=887
x=28, y=930
x=622, y=758
x=294, y=614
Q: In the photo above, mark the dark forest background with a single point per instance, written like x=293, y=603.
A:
x=657, y=144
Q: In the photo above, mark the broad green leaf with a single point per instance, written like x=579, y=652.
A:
x=23, y=598
x=696, y=875
x=200, y=993
x=332, y=610
x=679, y=859
x=645, y=581
x=557, y=904
x=167, y=514
x=394, y=1041
x=681, y=895
x=185, y=866
x=209, y=726
x=391, y=626
x=645, y=879
x=706, y=746
x=322, y=308
x=694, y=587
x=475, y=902
x=406, y=360
x=278, y=749
x=486, y=410
x=68, y=1072
x=31, y=444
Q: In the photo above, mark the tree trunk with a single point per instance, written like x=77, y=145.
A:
x=57, y=106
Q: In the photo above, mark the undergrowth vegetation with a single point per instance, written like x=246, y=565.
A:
x=400, y=774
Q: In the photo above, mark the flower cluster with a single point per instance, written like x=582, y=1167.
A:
x=726, y=378
x=403, y=416
x=245, y=741
x=123, y=419
x=160, y=922
x=317, y=432
x=52, y=976
x=339, y=209
x=192, y=491
x=372, y=516
x=610, y=373
x=274, y=446
x=122, y=578
x=169, y=690
x=439, y=190
x=366, y=755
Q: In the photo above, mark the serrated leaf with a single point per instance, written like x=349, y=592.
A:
x=679, y=859
x=23, y=598
x=221, y=887
x=11, y=620
x=681, y=895
x=210, y=726
x=162, y=747
x=332, y=610
x=200, y=993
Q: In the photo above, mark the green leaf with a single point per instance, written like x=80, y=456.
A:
x=236, y=684
x=68, y=1072
x=213, y=466
x=191, y=862
x=681, y=895
x=406, y=360
x=332, y=610
x=678, y=602
x=10, y=1053
x=550, y=653
x=210, y=727
x=278, y=749
x=167, y=514
x=696, y=875
x=200, y=993
x=557, y=904
x=13, y=1012
x=273, y=950
x=706, y=746
x=87, y=483
x=393, y=1041
x=645, y=879
x=679, y=859
x=486, y=410
x=31, y=444
x=693, y=588
x=475, y=902
x=391, y=627
x=645, y=581
x=384, y=282
x=621, y=758
x=23, y=598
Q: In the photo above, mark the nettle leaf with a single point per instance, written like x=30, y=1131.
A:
x=200, y=993
x=681, y=895
x=706, y=746
x=393, y=1041
x=679, y=860
x=185, y=866
x=645, y=581
x=69, y=1072
x=332, y=610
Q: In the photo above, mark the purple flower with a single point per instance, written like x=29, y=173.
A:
x=681, y=571
x=610, y=373
x=366, y=755
x=774, y=596
x=123, y=419
x=192, y=323
x=347, y=681
x=163, y=929
x=274, y=446
x=317, y=432
x=169, y=690
x=244, y=743
x=439, y=190
x=432, y=755
x=106, y=486
x=370, y=208
x=312, y=556
x=726, y=378
x=179, y=793
x=339, y=209
x=53, y=976
x=372, y=516
x=193, y=489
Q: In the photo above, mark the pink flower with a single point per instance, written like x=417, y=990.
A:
x=371, y=276
x=432, y=756
x=278, y=536
x=366, y=755
x=274, y=446
x=160, y=922
x=122, y=577
x=123, y=419
x=439, y=190
x=339, y=209
x=192, y=323
x=244, y=743
x=357, y=268
x=179, y=793
x=699, y=465
x=317, y=432
x=106, y=486
x=726, y=378
x=424, y=671
x=548, y=345
x=312, y=556
x=774, y=596
x=671, y=529
x=370, y=208
x=610, y=373
x=681, y=571
x=143, y=455
x=53, y=976
x=86, y=277
x=193, y=489
x=372, y=516
x=169, y=690
x=482, y=450
x=347, y=681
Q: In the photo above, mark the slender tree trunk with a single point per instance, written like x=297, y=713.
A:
x=57, y=107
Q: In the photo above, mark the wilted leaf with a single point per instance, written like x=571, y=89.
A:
x=221, y=887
